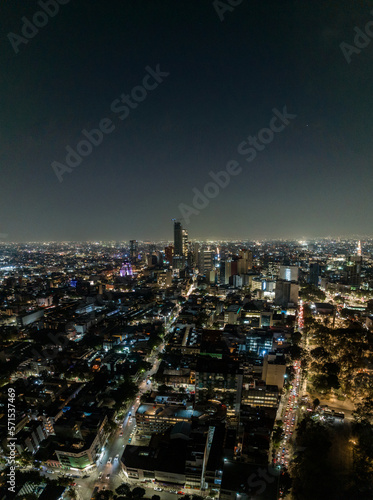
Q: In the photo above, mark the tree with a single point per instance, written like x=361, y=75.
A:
x=162, y=389
x=104, y=495
x=124, y=489
x=324, y=383
x=63, y=481
x=319, y=353
x=276, y=437
x=285, y=483
x=296, y=338
x=312, y=293
x=138, y=492
x=296, y=352
x=144, y=365
x=363, y=413
x=156, y=497
x=315, y=403
x=154, y=341
x=312, y=462
x=72, y=494
x=125, y=392
x=26, y=458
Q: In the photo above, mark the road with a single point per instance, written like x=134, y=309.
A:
x=289, y=418
x=287, y=411
x=117, y=442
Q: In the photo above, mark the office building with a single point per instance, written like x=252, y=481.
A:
x=178, y=239
x=274, y=370
x=286, y=294
x=225, y=271
x=165, y=279
x=289, y=273
x=184, y=235
x=232, y=314
x=206, y=261
x=134, y=248
x=169, y=253
x=258, y=342
x=261, y=396
x=245, y=261
x=314, y=274
x=353, y=270
x=157, y=418
x=219, y=379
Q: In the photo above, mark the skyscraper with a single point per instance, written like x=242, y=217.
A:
x=184, y=234
x=313, y=277
x=289, y=273
x=196, y=254
x=178, y=239
x=133, y=250
x=353, y=270
x=245, y=261
x=206, y=261
x=225, y=271
x=169, y=253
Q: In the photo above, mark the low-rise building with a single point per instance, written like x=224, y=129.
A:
x=156, y=418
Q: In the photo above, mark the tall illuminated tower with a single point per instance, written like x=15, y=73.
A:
x=184, y=234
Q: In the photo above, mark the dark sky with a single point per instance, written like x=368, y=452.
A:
x=225, y=77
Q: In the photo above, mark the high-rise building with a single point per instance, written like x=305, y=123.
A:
x=184, y=234
x=219, y=379
x=178, y=239
x=313, y=277
x=134, y=250
x=225, y=271
x=196, y=254
x=286, y=293
x=206, y=261
x=289, y=273
x=169, y=253
x=245, y=261
x=274, y=369
x=353, y=270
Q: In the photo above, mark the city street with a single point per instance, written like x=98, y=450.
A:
x=289, y=419
x=114, y=448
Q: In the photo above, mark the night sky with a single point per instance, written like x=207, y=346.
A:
x=225, y=78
